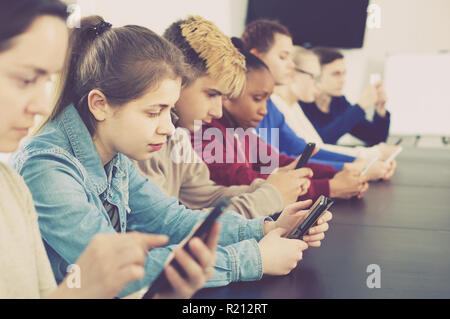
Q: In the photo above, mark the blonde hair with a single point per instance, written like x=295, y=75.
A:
x=213, y=52
x=299, y=53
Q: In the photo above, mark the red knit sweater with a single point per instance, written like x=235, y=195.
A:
x=235, y=158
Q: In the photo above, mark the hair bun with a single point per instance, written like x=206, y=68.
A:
x=238, y=43
x=101, y=27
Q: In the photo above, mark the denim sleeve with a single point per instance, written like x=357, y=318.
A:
x=238, y=255
x=68, y=221
x=237, y=262
x=152, y=211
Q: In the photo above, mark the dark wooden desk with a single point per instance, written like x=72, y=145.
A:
x=402, y=225
x=423, y=167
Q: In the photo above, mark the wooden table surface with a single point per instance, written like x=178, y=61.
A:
x=402, y=225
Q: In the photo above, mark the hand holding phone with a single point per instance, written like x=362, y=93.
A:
x=315, y=212
x=201, y=230
x=307, y=152
x=393, y=155
x=364, y=171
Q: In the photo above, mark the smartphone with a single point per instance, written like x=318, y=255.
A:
x=307, y=152
x=318, y=209
x=394, y=155
x=201, y=230
x=364, y=171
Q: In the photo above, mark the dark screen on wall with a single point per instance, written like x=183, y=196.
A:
x=332, y=23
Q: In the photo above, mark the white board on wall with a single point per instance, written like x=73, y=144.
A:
x=418, y=90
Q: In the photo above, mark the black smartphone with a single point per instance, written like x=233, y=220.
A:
x=316, y=210
x=307, y=152
x=201, y=230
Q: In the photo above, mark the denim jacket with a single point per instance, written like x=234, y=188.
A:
x=69, y=183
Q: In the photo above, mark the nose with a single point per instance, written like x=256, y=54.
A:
x=216, y=109
x=165, y=126
x=291, y=64
x=263, y=109
x=39, y=103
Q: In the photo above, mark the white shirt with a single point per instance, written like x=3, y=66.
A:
x=299, y=123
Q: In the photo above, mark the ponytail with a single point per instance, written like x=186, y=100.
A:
x=123, y=63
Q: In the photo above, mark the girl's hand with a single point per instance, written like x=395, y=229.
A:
x=109, y=263
x=198, y=270
x=280, y=255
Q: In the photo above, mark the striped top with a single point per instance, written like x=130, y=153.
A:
x=113, y=213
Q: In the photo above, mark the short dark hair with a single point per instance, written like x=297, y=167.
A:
x=17, y=15
x=251, y=60
x=327, y=55
x=260, y=34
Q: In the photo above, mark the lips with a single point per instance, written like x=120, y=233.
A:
x=22, y=131
x=156, y=147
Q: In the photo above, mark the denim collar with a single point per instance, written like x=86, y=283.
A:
x=85, y=151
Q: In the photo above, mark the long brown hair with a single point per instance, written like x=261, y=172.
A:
x=123, y=63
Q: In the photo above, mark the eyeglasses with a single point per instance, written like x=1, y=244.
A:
x=313, y=76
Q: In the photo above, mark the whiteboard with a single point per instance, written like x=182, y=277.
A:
x=418, y=90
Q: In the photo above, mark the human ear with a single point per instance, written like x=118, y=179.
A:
x=98, y=105
x=226, y=102
x=256, y=52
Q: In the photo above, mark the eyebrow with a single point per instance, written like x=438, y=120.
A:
x=163, y=106
x=40, y=71
x=210, y=90
x=36, y=70
x=264, y=93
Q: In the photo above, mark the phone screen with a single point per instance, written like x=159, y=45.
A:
x=317, y=210
x=201, y=230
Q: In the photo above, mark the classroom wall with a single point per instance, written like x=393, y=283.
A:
x=407, y=26
x=229, y=15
